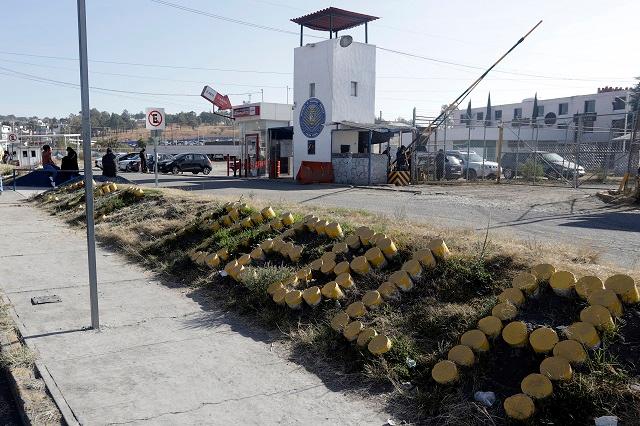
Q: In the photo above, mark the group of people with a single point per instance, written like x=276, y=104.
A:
x=68, y=167
x=110, y=163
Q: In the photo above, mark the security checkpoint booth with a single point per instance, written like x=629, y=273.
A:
x=260, y=153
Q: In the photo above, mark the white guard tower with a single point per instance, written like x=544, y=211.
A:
x=334, y=82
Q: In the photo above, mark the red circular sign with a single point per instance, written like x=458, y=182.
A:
x=154, y=118
x=13, y=137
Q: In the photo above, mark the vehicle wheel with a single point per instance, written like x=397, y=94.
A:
x=175, y=170
x=206, y=170
x=508, y=173
x=127, y=168
x=195, y=172
x=472, y=174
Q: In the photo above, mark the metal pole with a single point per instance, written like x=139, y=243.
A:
x=468, y=150
x=88, y=172
x=484, y=149
x=499, y=153
x=517, y=150
x=369, y=178
x=535, y=156
x=155, y=154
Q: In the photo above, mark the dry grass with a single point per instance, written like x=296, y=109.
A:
x=444, y=303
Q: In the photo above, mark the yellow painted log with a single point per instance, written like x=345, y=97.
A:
x=445, y=372
x=526, y=282
x=273, y=287
x=265, y=227
x=543, y=340
x=543, y=271
x=291, y=280
x=519, y=407
x=439, y=248
x=279, y=295
x=316, y=265
x=299, y=227
x=379, y=345
x=556, y=368
x=562, y=282
x=276, y=244
x=587, y=284
x=344, y=280
x=536, y=386
x=462, y=355
x=212, y=260
x=215, y=227
x=334, y=230
x=235, y=272
x=598, y=316
x=360, y=265
x=388, y=290
x=376, y=238
x=326, y=256
x=257, y=254
x=327, y=266
x=232, y=264
x=226, y=220
x=294, y=299
x=365, y=336
x=244, y=260
x=268, y=213
x=515, y=334
x=267, y=245
x=476, y=340
x=372, y=299
x=425, y=257
x=342, y=268
x=352, y=330
x=375, y=257
x=511, y=295
x=584, y=333
x=608, y=299
x=339, y=248
x=287, y=218
x=624, y=286
x=321, y=227
x=413, y=268
x=311, y=224
x=247, y=223
x=353, y=241
x=331, y=290
x=276, y=224
x=356, y=309
x=200, y=259
x=570, y=350
x=402, y=280
x=234, y=215
x=312, y=295
x=294, y=253
x=365, y=235
x=257, y=218
x=491, y=326
x=304, y=274
x=289, y=233
x=339, y=321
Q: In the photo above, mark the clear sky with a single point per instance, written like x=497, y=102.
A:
x=581, y=45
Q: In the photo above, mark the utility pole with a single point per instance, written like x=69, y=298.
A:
x=88, y=172
x=499, y=153
x=287, y=94
x=262, y=94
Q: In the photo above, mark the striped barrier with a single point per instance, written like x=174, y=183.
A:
x=399, y=178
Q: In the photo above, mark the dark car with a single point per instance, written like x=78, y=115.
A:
x=194, y=163
x=161, y=158
x=452, y=165
x=553, y=165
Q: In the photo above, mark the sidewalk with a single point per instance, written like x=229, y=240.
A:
x=161, y=357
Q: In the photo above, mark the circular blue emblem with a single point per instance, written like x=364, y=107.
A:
x=312, y=117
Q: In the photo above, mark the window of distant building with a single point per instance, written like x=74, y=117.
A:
x=498, y=114
x=345, y=149
x=517, y=113
x=563, y=108
x=540, y=110
x=354, y=88
x=590, y=106
x=479, y=116
x=311, y=147
x=312, y=90
x=620, y=102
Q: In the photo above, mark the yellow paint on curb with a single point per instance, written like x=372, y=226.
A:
x=462, y=355
x=476, y=340
x=543, y=340
x=556, y=368
x=445, y=372
x=515, y=334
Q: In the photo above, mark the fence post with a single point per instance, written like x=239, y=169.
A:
x=14, y=179
x=499, y=151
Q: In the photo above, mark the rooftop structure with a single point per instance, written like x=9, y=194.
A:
x=333, y=20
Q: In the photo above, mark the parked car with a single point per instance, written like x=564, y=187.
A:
x=161, y=157
x=452, y=165
x=478, y=168
x=129, y=162
x=553, y=165
x=194, y=163
x=98, y=161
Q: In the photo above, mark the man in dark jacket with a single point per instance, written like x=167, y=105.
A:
x=69, y=164
x=109, y=164
x=440, y=164
x=143, y=161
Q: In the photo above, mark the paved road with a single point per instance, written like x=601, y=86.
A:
x=530, y=213
x=162, y=356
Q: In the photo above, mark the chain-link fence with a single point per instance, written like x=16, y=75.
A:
x=578, y=151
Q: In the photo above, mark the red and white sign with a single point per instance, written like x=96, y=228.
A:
x=13, y=137
x=155, y=118
x=221, y=101
x=246, y=111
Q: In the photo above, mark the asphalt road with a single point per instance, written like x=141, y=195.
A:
x=526, y=212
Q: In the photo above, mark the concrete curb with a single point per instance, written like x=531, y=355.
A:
x=41, y=370
x=6, y=343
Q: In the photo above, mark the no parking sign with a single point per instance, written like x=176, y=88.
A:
x=155, y=118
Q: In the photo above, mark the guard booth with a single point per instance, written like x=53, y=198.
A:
x=254, y=122
x=281, y=152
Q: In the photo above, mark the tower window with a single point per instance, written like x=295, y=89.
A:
x=354, y=88
x=312, y=90
x=311, y=147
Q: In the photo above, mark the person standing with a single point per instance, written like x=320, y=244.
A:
x=143, y=161
x=49, y=165
x=70, y=163
x=109, y=164
x=439, y=164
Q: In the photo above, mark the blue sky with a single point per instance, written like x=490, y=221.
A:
x=582, y=45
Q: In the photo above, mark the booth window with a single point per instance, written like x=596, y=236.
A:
x=354, y=88
x=311, y=147
x=312, y=90
x=345, y=149
x=33, y=154
x=25, y=154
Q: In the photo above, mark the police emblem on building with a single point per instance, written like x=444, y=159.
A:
x=312, y=117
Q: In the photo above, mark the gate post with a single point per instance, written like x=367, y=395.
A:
x=499, y=151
